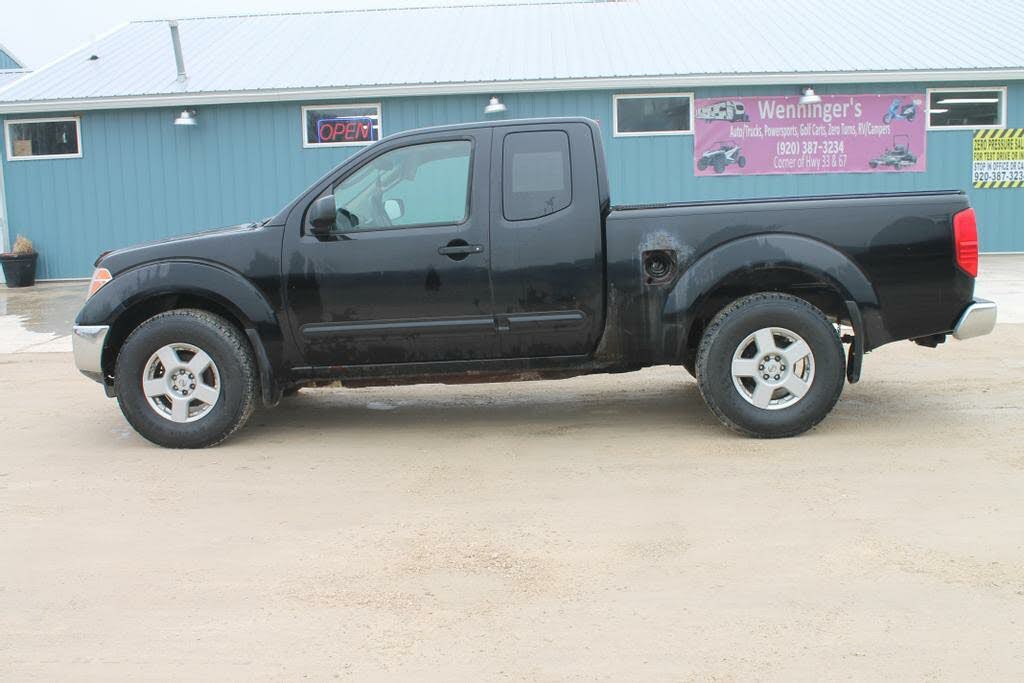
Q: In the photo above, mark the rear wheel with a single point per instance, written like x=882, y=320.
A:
x=770, y=365
x=186, y=379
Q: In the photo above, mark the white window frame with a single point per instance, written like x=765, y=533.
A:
x=648, y=96
x=34, y=157
x=340, y=105
x=1001, y=89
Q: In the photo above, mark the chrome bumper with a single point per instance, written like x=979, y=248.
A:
x=977, y=319
x=87, y=342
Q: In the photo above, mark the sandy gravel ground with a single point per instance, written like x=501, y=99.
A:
x=602, y=527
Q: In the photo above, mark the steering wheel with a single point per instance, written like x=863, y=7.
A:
x=352, y=219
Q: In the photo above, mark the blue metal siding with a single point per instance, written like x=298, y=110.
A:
x=7, y=62
x=142, y=178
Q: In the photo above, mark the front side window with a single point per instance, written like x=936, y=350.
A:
x=43, y=138
x=536, y=177
x=418, y=185
x=340, y=125
x=967, y=108
x=660, y=114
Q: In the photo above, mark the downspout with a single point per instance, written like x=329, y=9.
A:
x=5, y=235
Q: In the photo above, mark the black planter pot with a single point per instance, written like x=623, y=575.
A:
x=19, y=269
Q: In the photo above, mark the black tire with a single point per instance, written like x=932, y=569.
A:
x=229, y=350
x=719, y=167
x=702, y=164
x=742, y=161
x=727, y=332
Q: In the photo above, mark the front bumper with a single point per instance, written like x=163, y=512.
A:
x=87, y=342
x=977, y=319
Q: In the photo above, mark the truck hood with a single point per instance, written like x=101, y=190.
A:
x=208, y=244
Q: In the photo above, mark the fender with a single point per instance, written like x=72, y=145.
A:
x=225, y=287
x=774, y=251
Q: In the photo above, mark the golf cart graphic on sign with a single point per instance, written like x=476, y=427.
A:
x=898, y=156
x=723, y=153
x=729, y=110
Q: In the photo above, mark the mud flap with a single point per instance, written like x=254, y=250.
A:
x=855, y=357
x=270, y=393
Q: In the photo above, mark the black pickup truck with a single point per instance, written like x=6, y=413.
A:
x=490, y=252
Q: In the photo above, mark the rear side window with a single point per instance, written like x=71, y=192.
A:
x=536, y=175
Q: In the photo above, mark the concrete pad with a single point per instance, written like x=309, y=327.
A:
x=1001, y=279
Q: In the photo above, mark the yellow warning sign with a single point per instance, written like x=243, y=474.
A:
x=998, y=158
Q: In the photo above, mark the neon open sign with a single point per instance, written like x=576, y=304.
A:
x=346, y=129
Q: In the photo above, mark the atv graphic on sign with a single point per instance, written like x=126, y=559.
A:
x=898, y=156
x=721, y=154
x=728, y=110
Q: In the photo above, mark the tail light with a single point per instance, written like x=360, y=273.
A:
x=965, y=237
x=100, y=277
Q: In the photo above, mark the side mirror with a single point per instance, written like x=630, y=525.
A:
x=394, y=208
x=322, y=215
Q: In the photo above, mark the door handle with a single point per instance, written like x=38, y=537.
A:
x=459, y=249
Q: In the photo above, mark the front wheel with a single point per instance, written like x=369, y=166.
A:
x=770, y=365
x=742, y=161
x=186, y=379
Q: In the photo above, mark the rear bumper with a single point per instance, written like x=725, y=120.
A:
x=977, y=319
x=87, y=342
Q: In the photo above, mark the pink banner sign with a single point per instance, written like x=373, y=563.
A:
x=840, y=134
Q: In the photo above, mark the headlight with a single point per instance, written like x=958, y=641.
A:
x=100, y=277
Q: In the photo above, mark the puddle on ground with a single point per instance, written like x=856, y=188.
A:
x=39, y=319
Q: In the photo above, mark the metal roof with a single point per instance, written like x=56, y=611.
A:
x=504, y=48
x=8, y=76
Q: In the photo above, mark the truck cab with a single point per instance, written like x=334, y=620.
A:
x=449, y=245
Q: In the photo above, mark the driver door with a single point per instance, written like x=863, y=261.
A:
x=404, y=274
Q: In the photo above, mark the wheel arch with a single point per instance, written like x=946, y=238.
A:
x=787, y=263
x=138, y=294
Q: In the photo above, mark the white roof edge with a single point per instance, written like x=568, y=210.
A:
x=504, y=87
x=13, y=56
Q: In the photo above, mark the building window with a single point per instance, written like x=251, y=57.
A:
x=953, y=108
x=536, y=177
x=338, y=125
x=43, y=138
x=656, y=114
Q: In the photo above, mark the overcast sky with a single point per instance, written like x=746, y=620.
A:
x=39, y=34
